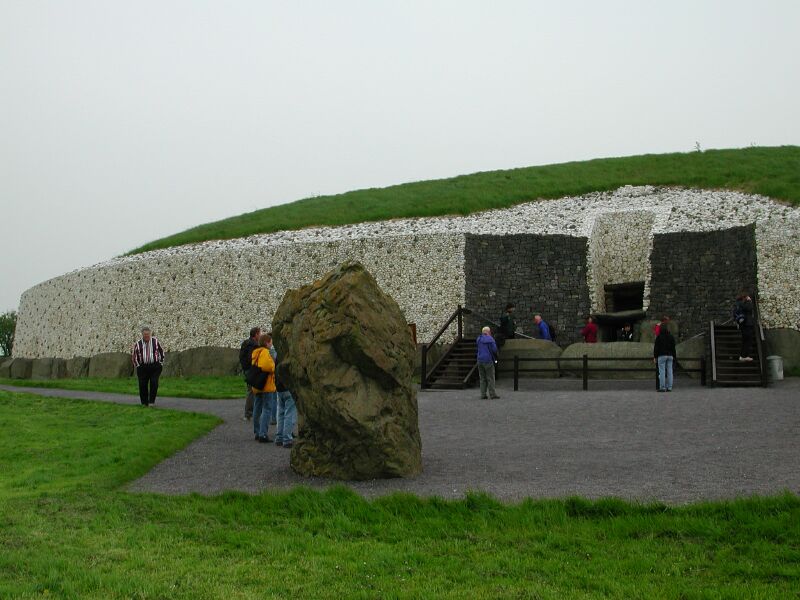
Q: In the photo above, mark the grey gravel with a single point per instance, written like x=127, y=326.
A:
x=549, y=440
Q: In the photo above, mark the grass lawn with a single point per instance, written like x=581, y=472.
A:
x=213, y=388
x=772, y=172
x=67, y=530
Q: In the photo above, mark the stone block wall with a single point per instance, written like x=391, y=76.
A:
x=538, y=273
x=697, y=275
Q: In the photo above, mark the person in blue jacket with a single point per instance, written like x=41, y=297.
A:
x=544, y=328
x=487, y=357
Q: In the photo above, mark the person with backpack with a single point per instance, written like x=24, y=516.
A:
x=743, y=315
x=664, y=357
x=543, y=328
x=487, y=357
x=245, y=356
x=261, y=377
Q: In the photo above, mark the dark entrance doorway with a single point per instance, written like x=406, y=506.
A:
x=621, y=297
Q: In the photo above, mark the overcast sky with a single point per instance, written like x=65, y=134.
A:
x=122, y=122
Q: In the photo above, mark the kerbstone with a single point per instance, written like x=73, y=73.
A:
x=524, y=348
x=20, y=368
x=111, y=364
x=48, y=368
x=606, y=350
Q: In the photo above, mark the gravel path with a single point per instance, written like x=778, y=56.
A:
x=548, y=440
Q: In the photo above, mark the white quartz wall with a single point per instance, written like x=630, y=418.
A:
x=211, y=294
x=619, y=251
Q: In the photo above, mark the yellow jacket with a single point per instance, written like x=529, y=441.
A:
x=263, y=360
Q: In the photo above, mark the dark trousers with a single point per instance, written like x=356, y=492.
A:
x=248, y=403
x=148, y=378
x=748, y=334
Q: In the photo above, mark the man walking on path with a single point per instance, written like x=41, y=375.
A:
x=487, y=355
x=148, y=361
x=245, y=355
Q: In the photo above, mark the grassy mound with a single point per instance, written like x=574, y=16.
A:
x=68, y=531
x=773, y=172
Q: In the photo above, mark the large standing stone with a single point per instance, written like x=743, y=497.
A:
x=345, y=351
x=20, y=368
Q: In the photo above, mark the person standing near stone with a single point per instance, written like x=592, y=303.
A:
x=744, y=315
x=245, y=358
x=543, y=327
x=589, y=331
x=508, y=327
x=664, y=357
x=286, y=411
x=148, y=360
x=265, y=394
x=487, y=357
x=625, y=334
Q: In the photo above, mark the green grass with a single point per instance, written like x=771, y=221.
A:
x=772, y=172
x=212, y=388
x=68, y=531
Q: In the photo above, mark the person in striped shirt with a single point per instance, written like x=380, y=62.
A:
x=148, y=359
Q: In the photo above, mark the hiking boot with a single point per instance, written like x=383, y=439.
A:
x=264, y=440
x=279, y=443
x=288, y=444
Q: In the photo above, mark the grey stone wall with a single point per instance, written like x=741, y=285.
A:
x=696, y=275
x=539, y=273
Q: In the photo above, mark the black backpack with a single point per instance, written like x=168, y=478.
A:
x=246, y=355
x=738, y=313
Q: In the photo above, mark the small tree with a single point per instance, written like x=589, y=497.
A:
x=8, y=324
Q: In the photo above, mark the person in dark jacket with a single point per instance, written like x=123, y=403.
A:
x=245, y=356
x=589, y=332
x=508, y=327
x=625, y=334
x=747, y=327
x=487, y=356
x=664, y=357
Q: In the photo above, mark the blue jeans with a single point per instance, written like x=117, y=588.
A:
x=665, y=372
x=287, y=417
x=262, y=409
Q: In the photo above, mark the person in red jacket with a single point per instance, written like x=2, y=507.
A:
x=589, y=332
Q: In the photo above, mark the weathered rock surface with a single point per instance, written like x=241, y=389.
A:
x=77, y=366
x=48, y=368
x=345, y=351
x=610, y=350
x=525, y=348
x=208, y=360
x=5, y=366
x=692, y=348
x=786, y=344
x=20, y=368
x=111, y=364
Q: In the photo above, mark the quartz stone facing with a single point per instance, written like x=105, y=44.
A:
x=538, y=273
x=550, y=256
x=697, y=275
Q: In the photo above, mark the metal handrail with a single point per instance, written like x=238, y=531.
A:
x=424, y=373
x=760, y=342
x=712, y=337
x=468, y=311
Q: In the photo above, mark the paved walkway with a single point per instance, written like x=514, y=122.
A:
x=549, y=440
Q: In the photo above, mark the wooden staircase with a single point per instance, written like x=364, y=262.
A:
x=726, y=342
x=458, y=367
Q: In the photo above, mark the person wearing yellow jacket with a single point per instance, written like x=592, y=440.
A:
x=265, y=397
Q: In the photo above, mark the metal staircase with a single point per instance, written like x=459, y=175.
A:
x=458, y=367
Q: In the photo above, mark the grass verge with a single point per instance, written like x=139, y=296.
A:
x=66, y=531
x=210, y=388
x=773, y=172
